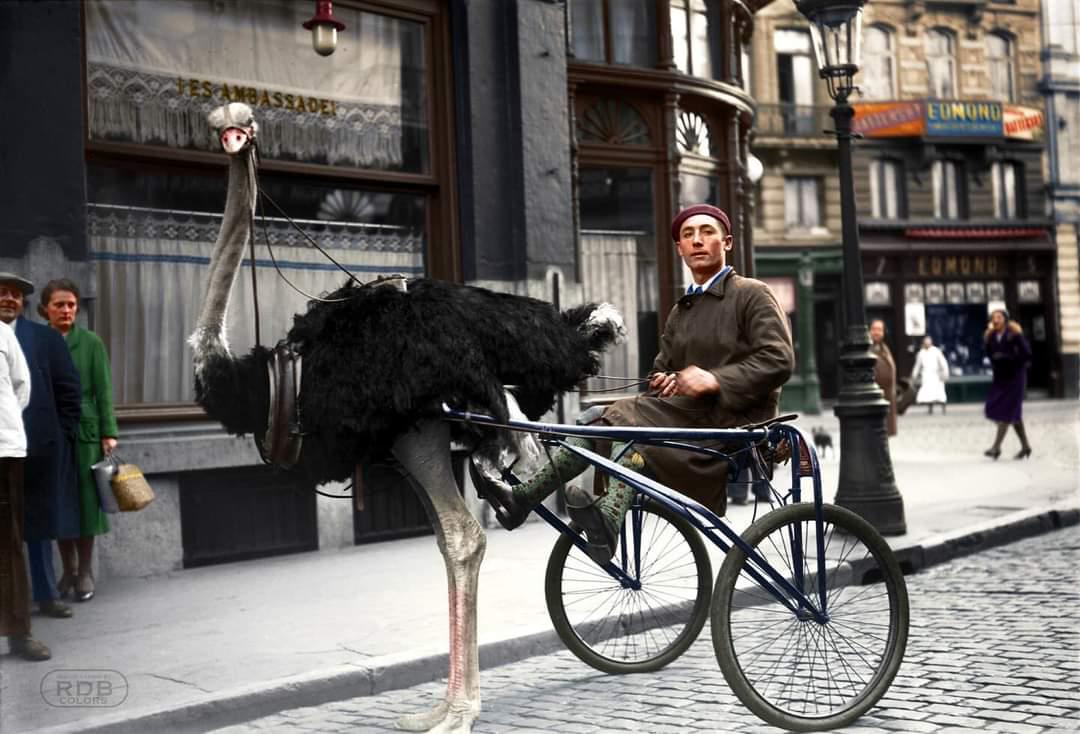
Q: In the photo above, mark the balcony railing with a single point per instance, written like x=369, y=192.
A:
x=791, y=120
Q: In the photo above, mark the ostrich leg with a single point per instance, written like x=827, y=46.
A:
x=425, y=455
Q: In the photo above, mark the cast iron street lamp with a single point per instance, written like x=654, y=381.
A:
x=867, y=485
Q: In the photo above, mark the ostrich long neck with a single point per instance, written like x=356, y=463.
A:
x=209, y=336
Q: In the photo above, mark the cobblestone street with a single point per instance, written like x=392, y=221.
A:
x=993, y=647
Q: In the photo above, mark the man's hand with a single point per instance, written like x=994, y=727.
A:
x=108, y=445
x=692, y=382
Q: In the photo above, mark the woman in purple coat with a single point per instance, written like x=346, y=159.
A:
x=1010, y=355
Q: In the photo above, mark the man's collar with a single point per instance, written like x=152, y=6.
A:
x=693, y=287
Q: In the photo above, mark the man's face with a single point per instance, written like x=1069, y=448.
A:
x=703, y=245
x=11, y=302
x=877, y=332
x=61, y=310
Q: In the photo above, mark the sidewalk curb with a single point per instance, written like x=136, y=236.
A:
x=404, y=670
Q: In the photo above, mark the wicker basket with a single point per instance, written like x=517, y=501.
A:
x=131, y=488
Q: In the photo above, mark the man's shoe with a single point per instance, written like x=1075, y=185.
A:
x=54, y=608
x=584, y=510
x=28, y=648
x=509, y=511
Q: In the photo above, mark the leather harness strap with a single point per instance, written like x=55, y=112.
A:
x=283, y=439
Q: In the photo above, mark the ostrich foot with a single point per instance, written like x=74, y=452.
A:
x=446, y=718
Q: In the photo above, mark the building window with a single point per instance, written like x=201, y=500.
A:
x=878, y=64
x=941, y=63
x=357, y=122
x=1007, y=178
x=154, y=70
x=802, y=203
x=948, y=190
x=795, y=79
x=999, y=55
x=1067, y=111
x=745, y=66
x=886, y=189
x=1063, y=25
x=695, y=33
x=612, y=122
x=629, y=38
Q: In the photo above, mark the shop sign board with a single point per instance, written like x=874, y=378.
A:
x=947, y=118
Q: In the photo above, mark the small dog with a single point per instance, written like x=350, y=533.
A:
x=822, y=440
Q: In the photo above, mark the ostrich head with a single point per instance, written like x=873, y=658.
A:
x=236, y=129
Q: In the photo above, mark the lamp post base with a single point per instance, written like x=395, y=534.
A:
x=867, y=486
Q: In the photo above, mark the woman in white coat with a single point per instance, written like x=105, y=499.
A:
x=930, y=374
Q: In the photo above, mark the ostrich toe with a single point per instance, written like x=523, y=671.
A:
x=445, y=718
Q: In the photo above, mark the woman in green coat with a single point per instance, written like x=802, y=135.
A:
x=97, y=431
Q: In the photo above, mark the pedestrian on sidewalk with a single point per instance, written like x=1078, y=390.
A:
x=930, y=374
x=51, y=421
x=884, y=369
x=97, y=430
x=1010, y=356
x=14, y=584
x=725, y=352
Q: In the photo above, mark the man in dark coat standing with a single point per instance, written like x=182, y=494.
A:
x=884, y=369
x=724, y=354
x=52, y=423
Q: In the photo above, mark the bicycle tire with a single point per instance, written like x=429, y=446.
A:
x=747, y=654
x=618, y=630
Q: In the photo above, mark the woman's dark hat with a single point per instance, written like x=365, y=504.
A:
x=713, y=211
x=24, y=285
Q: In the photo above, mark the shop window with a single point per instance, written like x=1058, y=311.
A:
x=802, y=203
x=695, y=33
x=948, y=183
x=878, y=71
x=613, y=122
x=628, y=38
x=999, y=56
x=618, y=258
x=941, y=63
x=886, y=189
x=155, y=69
x=1007, y=181
x=796, y=74
x=151, y=234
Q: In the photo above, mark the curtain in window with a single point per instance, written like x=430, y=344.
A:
x=155, y=69
x=633, y=30
x=152, y=271
x=941, y=64
x=884, y=189
x=611, y=272
x=877, y=71
x=946, y=191
x=1004, y=177
x=587, y=23
x=802, y=208
x=999, y=57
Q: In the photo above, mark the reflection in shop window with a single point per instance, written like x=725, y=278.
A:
x=155, y=69
x=151, y=235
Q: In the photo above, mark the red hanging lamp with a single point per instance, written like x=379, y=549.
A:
x=324, y=28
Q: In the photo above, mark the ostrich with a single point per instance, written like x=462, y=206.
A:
x=378, y=364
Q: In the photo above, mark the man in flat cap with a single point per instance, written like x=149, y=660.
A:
x=52, y=423
x=724, y=354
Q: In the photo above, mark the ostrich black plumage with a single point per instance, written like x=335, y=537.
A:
x=378, y=363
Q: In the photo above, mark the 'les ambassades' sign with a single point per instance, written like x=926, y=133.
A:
x=936, y=118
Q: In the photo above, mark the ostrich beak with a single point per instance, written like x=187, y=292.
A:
x=235, y=139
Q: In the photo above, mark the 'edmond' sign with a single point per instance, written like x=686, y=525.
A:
x=937, y=118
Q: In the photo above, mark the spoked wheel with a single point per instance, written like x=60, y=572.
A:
x=645, y=621
x=788, y=667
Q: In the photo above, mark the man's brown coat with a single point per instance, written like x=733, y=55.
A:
x=737, y=331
